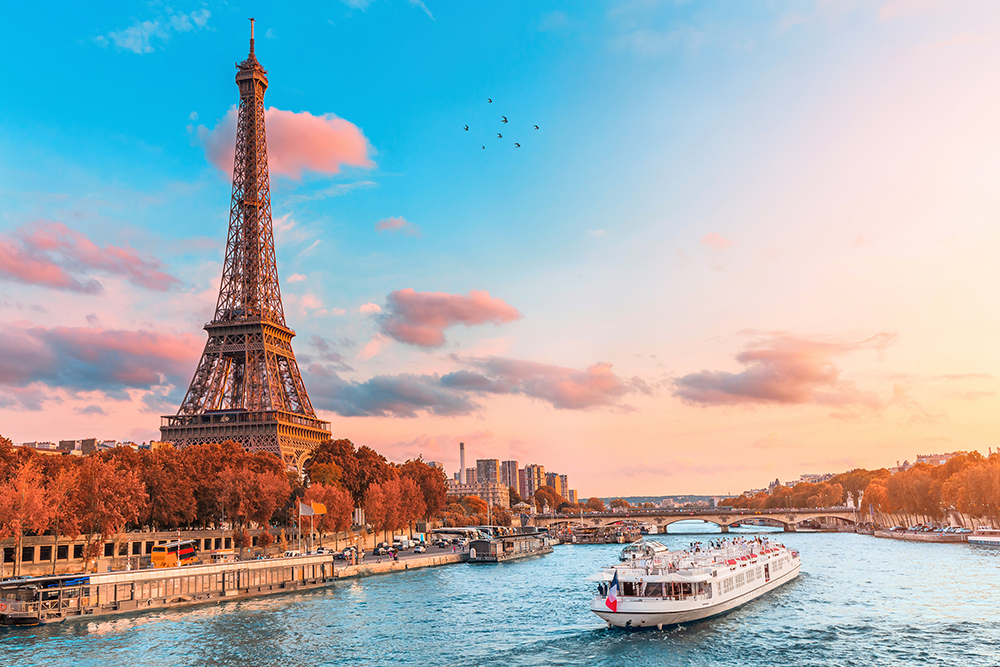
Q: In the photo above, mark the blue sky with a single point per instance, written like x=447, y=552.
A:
x=710, y=179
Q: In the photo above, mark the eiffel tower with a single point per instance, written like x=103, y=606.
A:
x=247, y=386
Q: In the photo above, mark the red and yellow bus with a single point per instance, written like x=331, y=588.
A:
x=173, y=554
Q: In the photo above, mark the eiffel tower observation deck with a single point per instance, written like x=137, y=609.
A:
x=247, y=387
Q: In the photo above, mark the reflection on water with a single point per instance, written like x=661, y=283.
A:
x=860, y=600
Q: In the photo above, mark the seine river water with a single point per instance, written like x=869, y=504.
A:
x=859, y=601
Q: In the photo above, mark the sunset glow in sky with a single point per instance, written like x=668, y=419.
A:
x=748, y=240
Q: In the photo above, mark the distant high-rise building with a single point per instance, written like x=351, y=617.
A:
x=534, y=479
x=461, y=463
x=523, y=492
x=436, y=464
x=488, y=471
x=470, y=476
x=564, y=485
x=508, y=474
x=555, y=480
x=572, y=496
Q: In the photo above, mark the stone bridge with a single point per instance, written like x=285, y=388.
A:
x=788, y=519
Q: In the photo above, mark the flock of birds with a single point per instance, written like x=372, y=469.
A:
x=503, y=119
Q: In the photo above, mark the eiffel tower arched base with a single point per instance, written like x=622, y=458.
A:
x=288, y=436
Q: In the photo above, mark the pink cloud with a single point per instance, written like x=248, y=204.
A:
x=50, y=254
x=87, y=359
x=783, y=369
x=296, y=142
x=408, y=394
x=716, y=241
x=398, y=225
x=420, y=318
x=564, y=388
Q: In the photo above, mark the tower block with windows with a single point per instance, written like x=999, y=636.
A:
x=247, y=387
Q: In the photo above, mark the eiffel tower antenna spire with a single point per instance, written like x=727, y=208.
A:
x=247, y=386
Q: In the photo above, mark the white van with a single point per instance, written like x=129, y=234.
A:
x=401, y=543
x=291, y=554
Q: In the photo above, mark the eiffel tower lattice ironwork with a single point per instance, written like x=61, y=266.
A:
x=247, y=386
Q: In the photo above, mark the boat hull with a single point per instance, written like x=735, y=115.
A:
x=979, y=540
x=643, y=612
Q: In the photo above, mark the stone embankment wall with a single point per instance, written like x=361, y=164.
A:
x=949, y=518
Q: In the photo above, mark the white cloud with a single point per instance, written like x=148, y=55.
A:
x=419, y=3
x=597, y=232
x=141, y=36
x=296, y=278
x=370, y=308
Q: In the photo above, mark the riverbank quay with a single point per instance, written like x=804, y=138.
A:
x=921, y=537
x=55, y=599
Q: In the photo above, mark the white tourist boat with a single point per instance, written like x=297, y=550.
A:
x=653, y=586
x=985, y=537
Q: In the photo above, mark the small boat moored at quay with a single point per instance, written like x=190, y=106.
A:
x=653, y=586
x=509, y=546
x=985, y=537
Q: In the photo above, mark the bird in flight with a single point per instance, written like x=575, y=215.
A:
x=484, y=147
x=499, y=136
x=489, y=100
x=536, y=127
x=467, y=128
x=504, y=121
x=517, y=145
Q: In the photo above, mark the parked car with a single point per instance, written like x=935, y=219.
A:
x=291, y=554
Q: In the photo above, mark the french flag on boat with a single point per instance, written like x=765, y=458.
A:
x=612, y=601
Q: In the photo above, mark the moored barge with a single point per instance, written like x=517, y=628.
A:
x=54, y=599
x=507, y=547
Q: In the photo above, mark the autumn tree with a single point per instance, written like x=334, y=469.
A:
x=377, y=508
x=109, y=498
x=595, y=504
x=170, y=484
x=474, y=504
x=339, y=508
x=876, y=497
x=432, y=483
x=23, y=507
x=359, y=468
x=64, y=507
x=411, y=502
x=327, y=474
x=620, y=502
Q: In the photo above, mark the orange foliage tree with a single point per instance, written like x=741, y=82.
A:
x=22, y=507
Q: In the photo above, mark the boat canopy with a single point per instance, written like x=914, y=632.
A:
x=644, y=549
